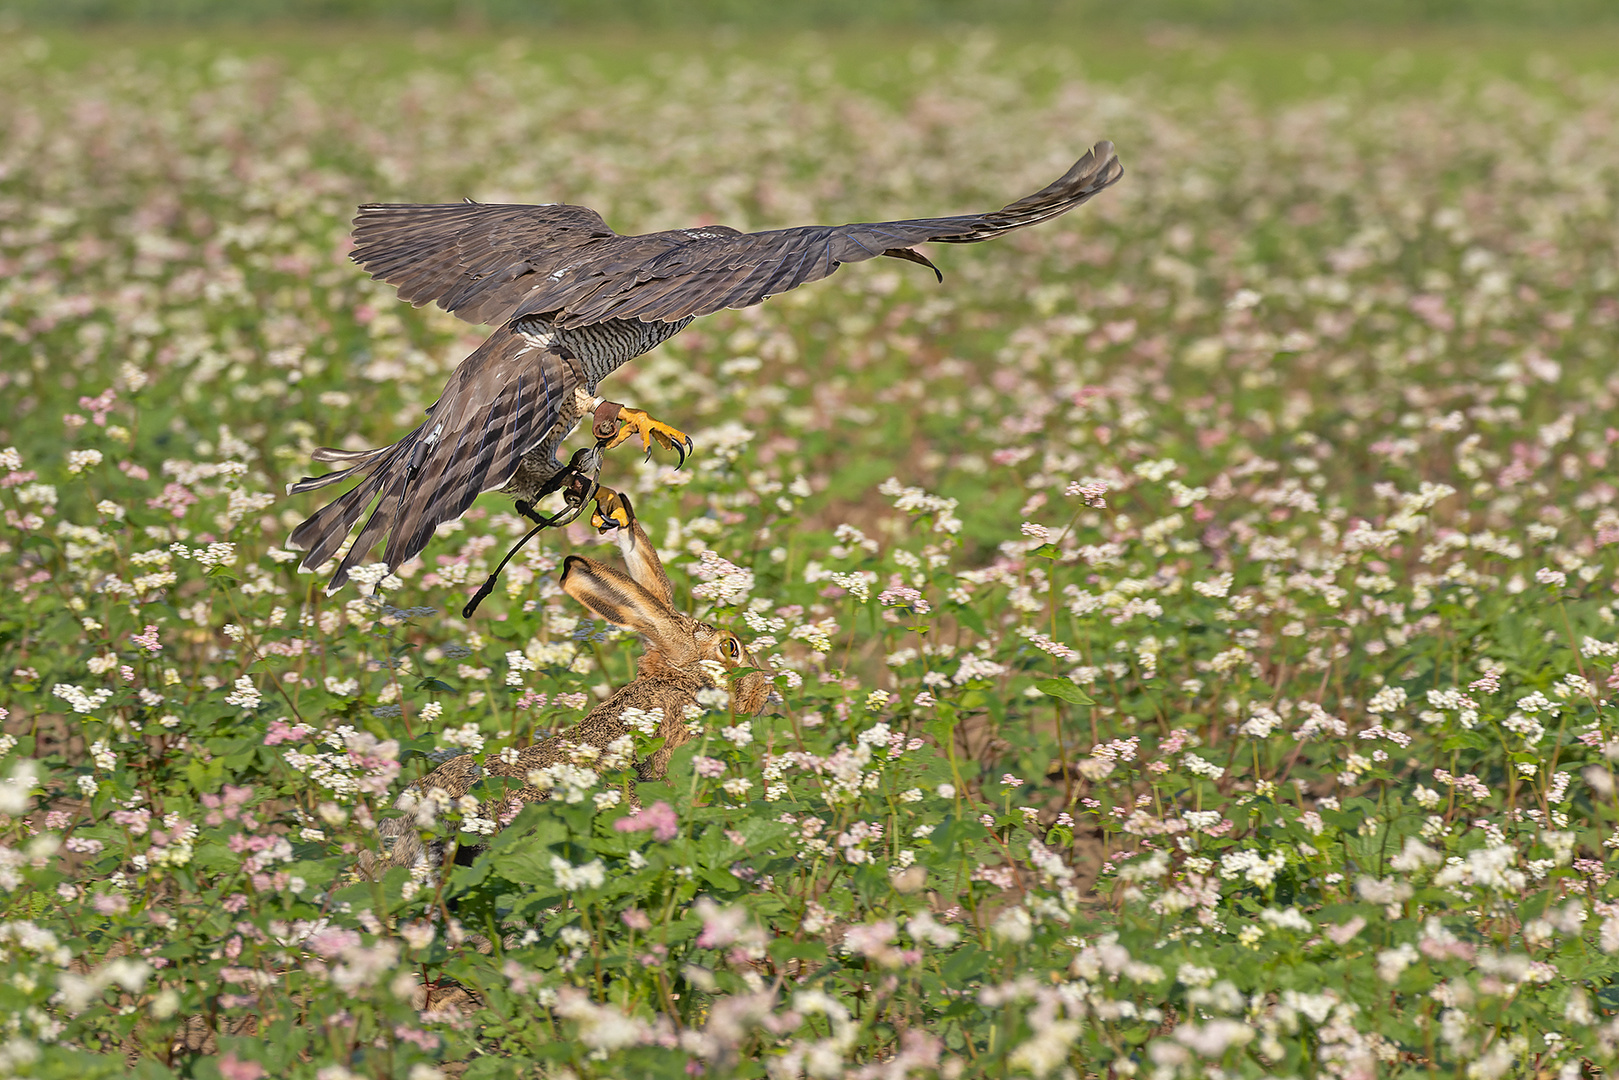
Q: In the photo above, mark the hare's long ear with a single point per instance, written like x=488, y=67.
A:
x=620, y=600
x=643, y=562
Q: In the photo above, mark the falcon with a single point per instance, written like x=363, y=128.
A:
x=573, y=302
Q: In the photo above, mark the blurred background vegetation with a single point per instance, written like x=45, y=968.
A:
x=1271, y=49
x=788, y=14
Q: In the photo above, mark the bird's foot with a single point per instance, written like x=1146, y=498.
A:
x=613, y=510
x=635, y=422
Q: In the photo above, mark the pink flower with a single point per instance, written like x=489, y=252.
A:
x=147, y=640
x=280, y=731
x=424, y=1039
x=659, y=818
x=707, y=766
x=329, y=943
x=175, y=499
x=724, y=926
x=233, y=1068
x=899, y=594
x=99, y=406
x=1342, y=934
x=111, y=904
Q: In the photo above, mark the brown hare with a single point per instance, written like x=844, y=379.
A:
x=683, y=657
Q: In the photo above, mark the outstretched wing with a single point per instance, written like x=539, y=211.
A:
x=708, y=273
x=476, y=260
x=487, y=262
x=501, y=401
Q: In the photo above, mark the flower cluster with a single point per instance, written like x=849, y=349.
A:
x=1217, y=684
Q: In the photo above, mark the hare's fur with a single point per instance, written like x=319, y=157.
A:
x=683, y=656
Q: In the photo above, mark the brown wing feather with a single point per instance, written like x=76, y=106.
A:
x=739, y=271
x=503, y=400
x=489, y=263
x=476, y=260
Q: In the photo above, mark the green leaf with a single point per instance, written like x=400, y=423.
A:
x=1466, y=740
x=1065, y=690
x=969, y=618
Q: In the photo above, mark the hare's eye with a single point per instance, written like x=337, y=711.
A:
x=733, y=649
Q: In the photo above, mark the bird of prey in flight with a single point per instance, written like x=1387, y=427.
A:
x=574, y=301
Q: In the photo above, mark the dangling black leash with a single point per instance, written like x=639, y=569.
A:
x=577, y=487
x=577, y=482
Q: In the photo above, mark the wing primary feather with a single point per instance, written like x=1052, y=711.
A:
x=915, y=256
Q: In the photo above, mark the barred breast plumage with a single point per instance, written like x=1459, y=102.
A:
x=598, y=350
x=604, y=347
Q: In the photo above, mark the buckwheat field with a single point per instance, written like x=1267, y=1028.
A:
x=1195, y=621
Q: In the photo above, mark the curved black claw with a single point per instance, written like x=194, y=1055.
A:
x=613, y=510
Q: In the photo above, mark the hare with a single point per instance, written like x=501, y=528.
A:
x=683, y=656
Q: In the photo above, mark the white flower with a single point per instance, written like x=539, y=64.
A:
x=1286, y=919
x=645, y=721
x=573, y=878
x=467, y=737
x=1194, y=975
x=715, y=699
x=1048, y=1048
x=80, y=699
x=246, y=695
x=572, y=781
x=17, y=789
x=1390, y=962
x=80, y=460
x=1014, y=925
x=1386, y=700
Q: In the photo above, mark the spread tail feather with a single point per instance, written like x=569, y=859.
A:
x=325, y=530
x=499, y=403
x=362, y=461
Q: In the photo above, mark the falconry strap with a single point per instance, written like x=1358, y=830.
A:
x=577, y=483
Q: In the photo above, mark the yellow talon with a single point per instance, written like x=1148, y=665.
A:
x=637, y=422
x=612, y=511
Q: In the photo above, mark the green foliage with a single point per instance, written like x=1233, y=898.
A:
x=1194, y=622
x=756, y=14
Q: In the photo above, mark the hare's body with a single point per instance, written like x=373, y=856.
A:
x=683, y=657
